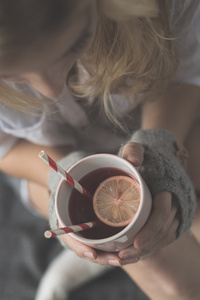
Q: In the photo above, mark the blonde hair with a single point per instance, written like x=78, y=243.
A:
x=133, y=52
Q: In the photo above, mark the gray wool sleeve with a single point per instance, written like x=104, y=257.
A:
x=53, y=181
x=162, y=171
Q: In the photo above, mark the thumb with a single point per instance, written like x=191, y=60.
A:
x=134, y=153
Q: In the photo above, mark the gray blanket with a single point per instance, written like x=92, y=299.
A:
x=25, y=254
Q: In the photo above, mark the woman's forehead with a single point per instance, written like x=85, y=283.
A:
x=27, y=46
x=33, y=17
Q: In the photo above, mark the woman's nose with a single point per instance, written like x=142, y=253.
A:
x=49, y=85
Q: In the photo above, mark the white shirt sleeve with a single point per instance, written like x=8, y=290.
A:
x=185, y=27
x=54, y=126
x=7, y=142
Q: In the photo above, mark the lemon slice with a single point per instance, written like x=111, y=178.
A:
x=116, y=200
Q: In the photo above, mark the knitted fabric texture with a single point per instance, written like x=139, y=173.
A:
x=162, y=171
x=53, y=181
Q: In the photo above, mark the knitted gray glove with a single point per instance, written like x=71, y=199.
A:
x=162, y=171
x=53, y=180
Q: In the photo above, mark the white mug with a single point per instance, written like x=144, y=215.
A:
x=125, y=237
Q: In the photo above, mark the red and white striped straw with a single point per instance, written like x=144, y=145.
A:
x=56, y=167
x=74, y=228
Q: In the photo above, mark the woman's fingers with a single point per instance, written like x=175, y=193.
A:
x=134, y=153
x=153, y=229
x=130, y=253
x=157, y=231
x=84, y=251
x=79, y=248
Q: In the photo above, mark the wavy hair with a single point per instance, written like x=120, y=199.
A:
x=133, y=53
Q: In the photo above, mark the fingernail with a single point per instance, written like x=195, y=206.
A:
x=114, y=262
x=140, y=243
x=130, y=261
x=89, y=255
x=125, y=256
x=132, y=158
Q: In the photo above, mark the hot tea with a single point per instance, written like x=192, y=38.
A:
x=81, y=208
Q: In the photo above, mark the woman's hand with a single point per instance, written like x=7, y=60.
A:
x=161, y=227
x=84, y=251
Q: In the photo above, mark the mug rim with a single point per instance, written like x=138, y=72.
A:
x=122, y=232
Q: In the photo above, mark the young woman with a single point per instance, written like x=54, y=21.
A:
x=61, y=62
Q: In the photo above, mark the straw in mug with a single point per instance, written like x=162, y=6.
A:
x=56, y=167
x=74, y=228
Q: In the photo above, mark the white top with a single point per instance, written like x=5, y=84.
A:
x=66, y=124
x=70, y=123
x=185, y=27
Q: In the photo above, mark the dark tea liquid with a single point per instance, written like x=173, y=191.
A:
x=81, y=208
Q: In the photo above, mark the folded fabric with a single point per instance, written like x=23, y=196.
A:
x=162, y=171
